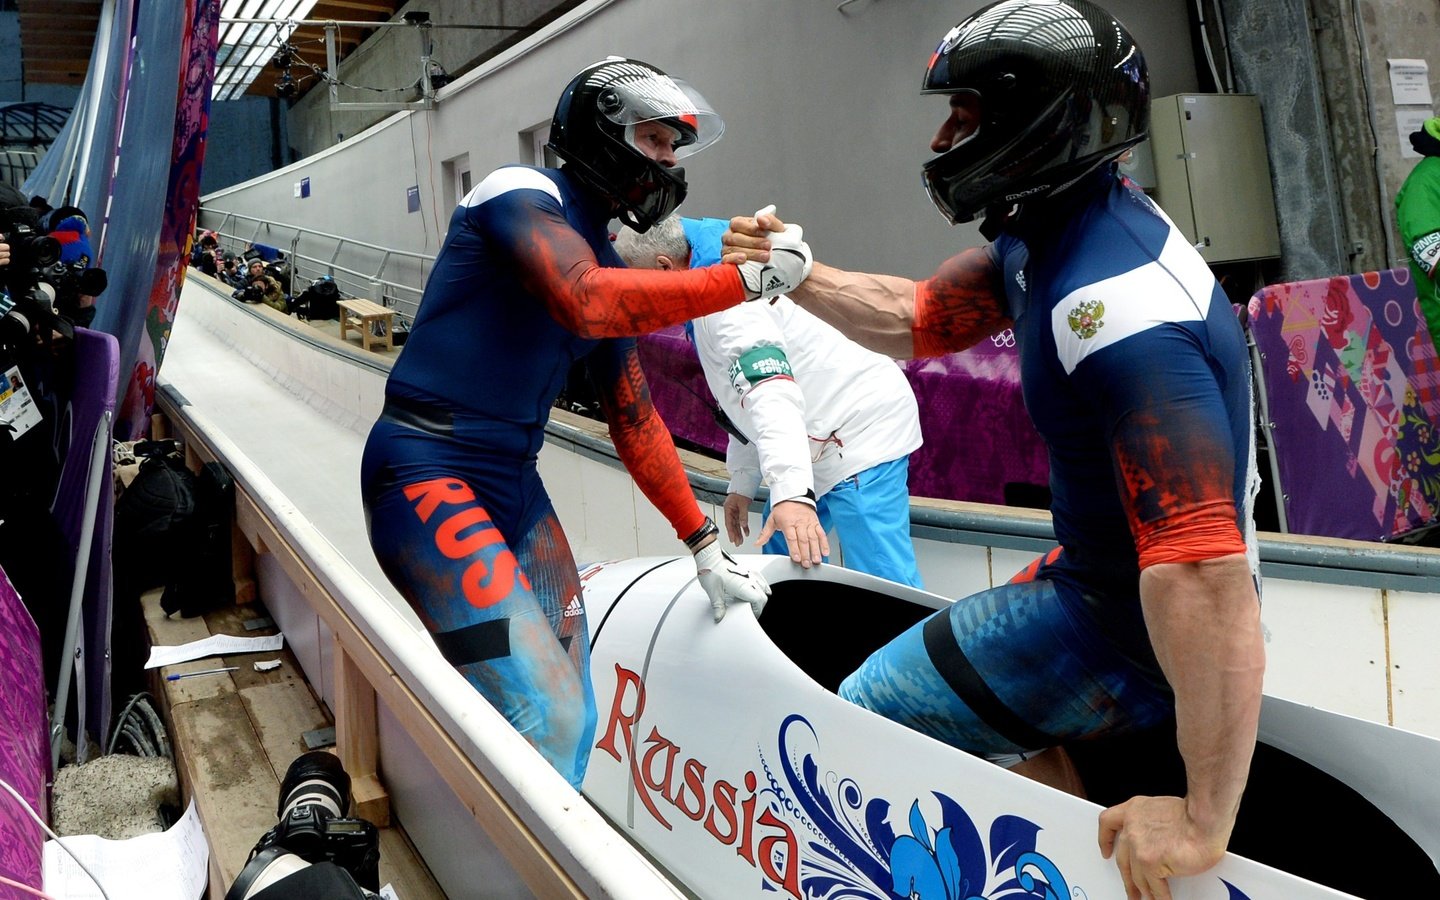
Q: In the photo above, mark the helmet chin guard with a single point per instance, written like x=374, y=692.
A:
x=1063, y=89
x=593, y=127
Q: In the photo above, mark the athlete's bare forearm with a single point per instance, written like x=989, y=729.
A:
x=875, y=311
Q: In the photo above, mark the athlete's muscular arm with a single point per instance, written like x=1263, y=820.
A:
x=1175, y=467
x=557, y=266
x=951, y=310
x=641, y=438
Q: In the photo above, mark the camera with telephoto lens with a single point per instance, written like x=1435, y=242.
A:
x=69, y=282
x=30, y=306
x=253, y=293
x=314, y=851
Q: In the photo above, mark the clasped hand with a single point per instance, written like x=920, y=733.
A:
x=776, y=258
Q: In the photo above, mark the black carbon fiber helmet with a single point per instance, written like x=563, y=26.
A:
x=1063, y=89
x=593, y=132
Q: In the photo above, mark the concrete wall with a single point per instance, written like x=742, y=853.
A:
x=390, y=58
x=1395, y=29
x=823, y=113
x=1320, y=70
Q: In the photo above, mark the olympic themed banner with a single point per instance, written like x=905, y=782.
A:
x=1350, y=373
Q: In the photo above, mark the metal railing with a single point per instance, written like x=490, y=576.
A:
x=395, y=278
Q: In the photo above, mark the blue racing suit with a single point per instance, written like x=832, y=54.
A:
x=1135, y=372
x=525, y=284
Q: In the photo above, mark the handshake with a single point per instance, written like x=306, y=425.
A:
x=789, y=262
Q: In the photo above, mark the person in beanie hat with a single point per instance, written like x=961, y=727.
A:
x=1417, y=213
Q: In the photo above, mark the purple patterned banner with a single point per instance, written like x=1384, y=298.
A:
x=978, y=436
x=1353, y=384
x=24, y=760
x=92, y=398
x=192, y=116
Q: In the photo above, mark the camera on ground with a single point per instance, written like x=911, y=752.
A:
x=314, y=850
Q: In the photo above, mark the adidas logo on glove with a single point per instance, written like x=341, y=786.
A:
x=789, y=264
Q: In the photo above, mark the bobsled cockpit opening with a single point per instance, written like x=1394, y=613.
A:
x=828, y=629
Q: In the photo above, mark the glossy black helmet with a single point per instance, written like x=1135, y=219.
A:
x=594, y=127
x=1062, y=89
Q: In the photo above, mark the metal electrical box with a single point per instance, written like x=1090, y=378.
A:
x=1212, y=175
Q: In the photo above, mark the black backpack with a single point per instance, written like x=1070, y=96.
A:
x=172, y=528
x=318, y=302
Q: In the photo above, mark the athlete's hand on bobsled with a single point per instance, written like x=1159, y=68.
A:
x=1153, y=839
x=788, y=259
x=727, y=581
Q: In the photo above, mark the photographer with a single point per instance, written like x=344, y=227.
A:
x=314, y=850
x=35, y=369
x=205, y=256
x=230, y=271
x=261, y=287
x=75, y=283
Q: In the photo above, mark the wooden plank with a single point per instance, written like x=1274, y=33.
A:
x=357, y=739
x=235, y=797
x=281, y=714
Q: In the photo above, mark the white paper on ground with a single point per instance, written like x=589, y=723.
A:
x=215, y=645
x=168, y=865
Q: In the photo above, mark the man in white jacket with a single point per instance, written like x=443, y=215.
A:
x=827, y=424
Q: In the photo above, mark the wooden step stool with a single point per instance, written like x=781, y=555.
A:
x=363, y=314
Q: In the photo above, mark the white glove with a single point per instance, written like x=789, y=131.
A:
x=727, y=581
x=790, y=263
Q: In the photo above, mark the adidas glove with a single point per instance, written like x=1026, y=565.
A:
x=789, y=264
x=727, y=581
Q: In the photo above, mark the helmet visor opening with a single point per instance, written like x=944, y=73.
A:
x=647, y=97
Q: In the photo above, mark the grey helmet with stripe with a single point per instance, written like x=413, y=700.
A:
x=593, y=133
x=1063, y=89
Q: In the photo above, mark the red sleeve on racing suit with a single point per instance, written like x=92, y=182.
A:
x=641, y=438
x=958, y=305
x=593, y=301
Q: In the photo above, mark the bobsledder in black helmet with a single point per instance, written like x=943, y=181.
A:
x=1062, y=88
x=593, y=131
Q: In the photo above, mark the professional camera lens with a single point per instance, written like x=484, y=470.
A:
x=317, y=778
x=313, y=851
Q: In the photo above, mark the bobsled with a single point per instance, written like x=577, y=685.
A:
x=723, y=751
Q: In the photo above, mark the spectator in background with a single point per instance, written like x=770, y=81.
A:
x=42, y=208
x=1417, y=214
x=78, y=283
x=230, y=271
x=205, y=256
x=269, y=289
x=71, y=228
x=829, y=425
